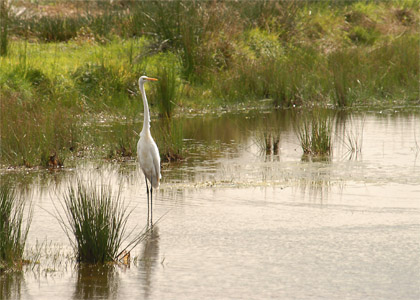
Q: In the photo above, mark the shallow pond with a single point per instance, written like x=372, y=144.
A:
x=242, y=220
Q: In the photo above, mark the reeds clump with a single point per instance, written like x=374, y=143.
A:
x=96, y=222
x=4, y=22
x=166, y=90
x=13, y=228
x=170, y=139
x=315, y=136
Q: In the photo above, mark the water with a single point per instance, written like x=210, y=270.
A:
x=245, y=223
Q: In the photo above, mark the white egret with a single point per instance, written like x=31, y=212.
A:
x=147, y=150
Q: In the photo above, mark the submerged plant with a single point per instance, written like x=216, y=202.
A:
x=96, y=222
x=13, y=231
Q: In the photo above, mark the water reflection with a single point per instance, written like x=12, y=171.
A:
x=317, y=190
x=11, y=285
x=226, y=176
x=149, y=258
x=96, y=281
x=348, y=135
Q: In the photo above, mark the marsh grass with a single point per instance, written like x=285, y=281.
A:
x=123, y=137
x=176, y=25
x=13, y=228
x=340, y=69
x=34, y=136
x=315, y=135
x=95, y=222
x=166, y=90
x=4, y=24
x=170, y=140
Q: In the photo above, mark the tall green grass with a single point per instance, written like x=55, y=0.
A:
x=166, y=90
x=33, y=132
x=340, y=64
x=122, y=136
x=95, y=222
x=4, y=24
x=170, y=139
x=315, y=135
x=13, y=227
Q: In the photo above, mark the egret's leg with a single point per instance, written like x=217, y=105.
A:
x=151, y=205
x=147, y=190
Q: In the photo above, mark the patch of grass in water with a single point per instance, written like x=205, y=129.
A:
x=170, y=140
x=13, y=228
x=95, y=222
x=315, y=135
x=122, y=138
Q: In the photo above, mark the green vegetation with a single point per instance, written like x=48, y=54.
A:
x=96, y=222
x=4, y=22
x=166, y=90
x=74, y=63
x=13, y=231
x=169, y=135
x=315, y=135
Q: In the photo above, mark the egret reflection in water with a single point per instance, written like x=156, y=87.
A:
x=149, y=258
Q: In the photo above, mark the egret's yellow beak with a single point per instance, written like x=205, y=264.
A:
x=152, y=79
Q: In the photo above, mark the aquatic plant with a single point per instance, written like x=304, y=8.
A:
x=315, y=135
x=170, y=140
x=13, y=227
x=122, y=137
x=36, y=133
x=95, y=221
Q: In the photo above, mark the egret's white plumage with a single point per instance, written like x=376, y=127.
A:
x=149, y=159
x=147, y=150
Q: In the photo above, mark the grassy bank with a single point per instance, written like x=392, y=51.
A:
x=67, y=65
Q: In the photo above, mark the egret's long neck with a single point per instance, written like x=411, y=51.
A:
x=146, y=123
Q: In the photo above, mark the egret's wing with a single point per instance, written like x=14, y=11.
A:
x=156, y=166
